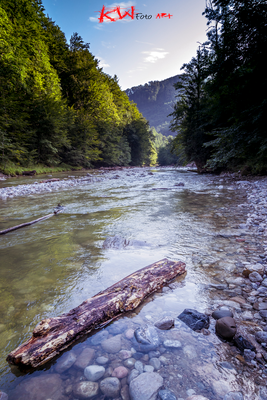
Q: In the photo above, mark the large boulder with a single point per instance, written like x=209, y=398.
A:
x=194, y=319
x=145, y=386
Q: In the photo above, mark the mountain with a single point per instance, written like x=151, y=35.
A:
x=155, y=100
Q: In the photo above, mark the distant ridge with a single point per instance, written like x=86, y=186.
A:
x=155, y=100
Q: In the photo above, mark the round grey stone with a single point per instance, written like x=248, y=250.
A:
x=102, y=360
x=255, y=277
x=148, y=368
x=155, y=363
x=94, y=372
x=112, y=345
x=65, y=362
x=221, y=313
x=129, y=363
x=165, y=323
x=85, y=390
x=110, y=387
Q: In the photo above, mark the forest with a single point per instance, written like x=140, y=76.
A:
x=221, y=111
x=57, y=107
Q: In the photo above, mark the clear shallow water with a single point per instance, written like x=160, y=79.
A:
x=53, y=266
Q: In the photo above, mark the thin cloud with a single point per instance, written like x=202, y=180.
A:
x=102, y=63
x=138, y=41
x=108, y=45
x=154, y=55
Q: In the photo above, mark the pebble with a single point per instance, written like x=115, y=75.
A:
x=222, y=312
x=165, y=323
x=65, y=362
x=194, y=319
x=120, y=372
x=148, y=368
x=166, y=395
x=112, y=345
x=145, y=386
x=255, y=277
x=38, y=187
x=133, y=374
x=129, y=334
x=102, y=360
x=226, y=327
x=129, y=363
x=146, y=338
x=94, y=372
x=110, y=387
x=139, y=366
x=123, y=354
x=125, y=393
x=85, y=390
x=154, y=362
x=85, y=358
x=3, y=396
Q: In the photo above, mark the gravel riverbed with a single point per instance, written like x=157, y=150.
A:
x=109, y=364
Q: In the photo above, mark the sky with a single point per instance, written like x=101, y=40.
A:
x=136, y=50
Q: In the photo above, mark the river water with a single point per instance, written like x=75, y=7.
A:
x=53, y=266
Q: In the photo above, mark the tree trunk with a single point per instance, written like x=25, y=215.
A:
x=53, y=335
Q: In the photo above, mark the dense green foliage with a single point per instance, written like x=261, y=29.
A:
x=155, y=100
x=221, y=113
x=163, y=147
x=56, y=105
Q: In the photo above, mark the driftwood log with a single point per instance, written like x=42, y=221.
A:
x=53, y=335
x=28, y=223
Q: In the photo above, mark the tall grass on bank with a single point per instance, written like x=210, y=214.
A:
x=12, y=169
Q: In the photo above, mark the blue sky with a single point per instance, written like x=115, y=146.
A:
x=137, y=51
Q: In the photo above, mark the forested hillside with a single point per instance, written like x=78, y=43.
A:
x=155, y=100
x=221, y=115
x=57, y=107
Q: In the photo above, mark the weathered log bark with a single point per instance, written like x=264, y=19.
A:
x=53, y=335
x=26, y=224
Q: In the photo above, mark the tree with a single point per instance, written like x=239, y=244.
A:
x=190, y=118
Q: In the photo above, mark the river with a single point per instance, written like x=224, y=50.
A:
x=53, y=266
